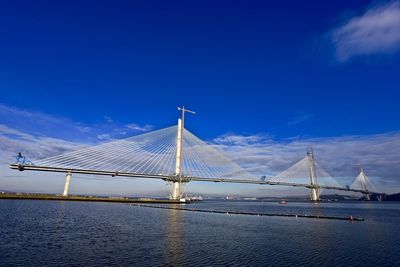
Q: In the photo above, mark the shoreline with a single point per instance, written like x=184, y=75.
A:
x=86, y=198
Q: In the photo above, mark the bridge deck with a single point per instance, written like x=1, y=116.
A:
x=173, y=178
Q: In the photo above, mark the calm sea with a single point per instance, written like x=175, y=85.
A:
x=56, y=233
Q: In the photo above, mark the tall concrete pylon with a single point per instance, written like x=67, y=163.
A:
x=177, y=185
x=314, y=195
x=364, y=183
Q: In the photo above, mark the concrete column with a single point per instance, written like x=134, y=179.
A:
x=176, y=188
x=178, y=163
x=314, y=194
x=67, y=182
x=176, y=191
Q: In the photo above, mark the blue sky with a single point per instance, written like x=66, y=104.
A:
x=87, y=72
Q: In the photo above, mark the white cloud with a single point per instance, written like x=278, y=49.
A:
x=258, y=153
x=37, y=147
x=84, y=129
x=13, y=141
x=108, y=119
x=103, y=137
x=240, y=140
x=378, y=154
x=39, y=123
x=377, y=31
x=299, y=119
x=139, y=128
x=39, y=135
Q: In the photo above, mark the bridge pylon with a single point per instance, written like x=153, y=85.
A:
x=314, y=195
x=363, y=179
x=177, y=185
x=176, y=193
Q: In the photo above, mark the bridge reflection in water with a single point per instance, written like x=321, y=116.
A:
x=174, y=237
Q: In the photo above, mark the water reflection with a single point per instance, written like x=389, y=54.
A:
x=174, y=237
x=59, y=219
x=320, y=230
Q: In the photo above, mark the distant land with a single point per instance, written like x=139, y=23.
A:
x=392, y=197
x=324, y=198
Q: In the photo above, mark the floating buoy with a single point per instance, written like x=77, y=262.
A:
x=351, y=218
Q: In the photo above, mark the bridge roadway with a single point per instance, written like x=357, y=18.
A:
x=173, y=178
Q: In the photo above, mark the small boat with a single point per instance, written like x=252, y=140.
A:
x=283, y=202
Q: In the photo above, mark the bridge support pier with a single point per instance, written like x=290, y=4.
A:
x=176, y=191
x=67, y=182
x=314, y=195
x=367, y=197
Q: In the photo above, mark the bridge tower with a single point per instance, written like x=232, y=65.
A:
x=364, y=181
x=176, y=193
x=314, y=195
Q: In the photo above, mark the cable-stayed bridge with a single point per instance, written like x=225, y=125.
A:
x=176, y=155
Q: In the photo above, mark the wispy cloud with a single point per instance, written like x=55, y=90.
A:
x=231, y=139
x=139, y=128
x=376, y=31
x=299, y=119
x=108, y=119
x=36, y=147
x=38, y=135
x=13, y=141
x=41, y=135
x=84, y=129
x=379, y=154
x=39, y=123
x=260, y=154
x=103, y=136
